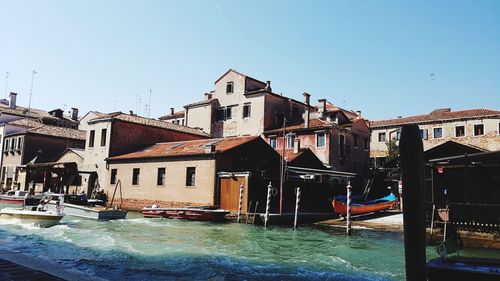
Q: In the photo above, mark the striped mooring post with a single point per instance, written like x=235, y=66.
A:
x=297, y=201
x=240, y=203
x=268, y=203
x=349, y=193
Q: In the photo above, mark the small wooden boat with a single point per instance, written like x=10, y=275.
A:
x=191, y=213
x=18, y=196
x=360, y=207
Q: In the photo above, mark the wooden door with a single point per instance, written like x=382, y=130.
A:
x=230, y=193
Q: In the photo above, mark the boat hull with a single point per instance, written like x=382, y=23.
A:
x=462, y=269
x=90, y=212
x=41, y=219
x=186, y=213
x=11, y=199
x=360, y=209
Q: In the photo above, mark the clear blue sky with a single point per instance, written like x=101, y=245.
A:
x=386, y=58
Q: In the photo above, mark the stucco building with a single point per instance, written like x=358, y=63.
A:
x=241, y=105
x=118, y=133
x=473, y=127
x=26, y=143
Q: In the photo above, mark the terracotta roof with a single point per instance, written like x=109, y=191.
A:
x=313, y=124
x=26, y=122
x=186, y=148
x=178, y=114
x=148, y=122
x=201, y=102
x=437, y=115
x=31, y=113
x=239, y=73
x=330, y=107
x=290, y=155
x=54, y=131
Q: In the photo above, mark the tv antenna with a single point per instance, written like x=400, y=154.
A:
x=31, y=89
x=6, y=82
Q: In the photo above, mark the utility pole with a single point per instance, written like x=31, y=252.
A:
x=282, y=168
x=31, y=89
x=6, y=82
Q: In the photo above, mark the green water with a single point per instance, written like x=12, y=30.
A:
x=162, y=249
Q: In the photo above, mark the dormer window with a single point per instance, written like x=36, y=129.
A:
x=230, y=87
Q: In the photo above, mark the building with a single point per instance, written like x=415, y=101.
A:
x=118, y=133
x=174, y=117
x=339, y=138
x=474, y=127
x=195, y=172
x=25, y=143
x=87, y=117
x=241, y=105
x=10, y=111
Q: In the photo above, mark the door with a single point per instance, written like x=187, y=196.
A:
x=230, y=192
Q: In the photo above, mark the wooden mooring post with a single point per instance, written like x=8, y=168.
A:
x=297, y=202
x=240, y=203
x=412, y=170
x=268, y=203
x=348, y=215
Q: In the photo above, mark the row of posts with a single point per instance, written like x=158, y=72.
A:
x=297, y=205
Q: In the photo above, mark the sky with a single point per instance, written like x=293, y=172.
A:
x=385, y=58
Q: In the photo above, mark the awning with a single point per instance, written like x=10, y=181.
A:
x=310, y=171
x=492, y=157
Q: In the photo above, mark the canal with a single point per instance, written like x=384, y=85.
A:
x=162, y=249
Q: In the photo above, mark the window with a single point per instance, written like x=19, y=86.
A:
x=182, y=122
x=320, y=139
x=160, y=180
x=103, y=137
x=290, y=141
x=438, y=133
x=355, y=140
x=135, y=176
x=229, y=112
x=19, y=143
x=6, y=148
x=272, y=142
x=91, y=138
x=478, y=129
x=190, y=176
x=342, y=147
x=423, y=134
x=13, y=145
x=365, y=144
x=229, y=87
x=381, y=137
x=398, y=135
x=459, y=131
x=246, y=110
x=113, y=176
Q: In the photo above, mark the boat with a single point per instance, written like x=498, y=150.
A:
x=18, y=196
x=360, y=207
x=38, y=215
x=191, y=213
x=80, y=206
x=463, y=268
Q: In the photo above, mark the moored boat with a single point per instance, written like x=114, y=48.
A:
x=463, y=268
x=360, y=207
x=18, y=196
x=191, y=213
x=79, y=206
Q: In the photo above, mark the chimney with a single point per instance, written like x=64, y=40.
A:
x=210, y=148
x=322, y=105
x=296, y=146
x=171, y=111
x=268, y=86
x=306, y=113
x=13, y=97
x=208, y=96
x=74, y=113
x=131, y=112
x=359, y=114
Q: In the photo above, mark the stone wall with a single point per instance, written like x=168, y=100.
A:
x=137, y=204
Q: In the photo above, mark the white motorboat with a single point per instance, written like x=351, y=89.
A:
x=38, y=215
x=78, y=206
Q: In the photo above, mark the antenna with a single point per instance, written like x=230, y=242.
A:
x=6, y=82
x=149, y=103
x=31, y=89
